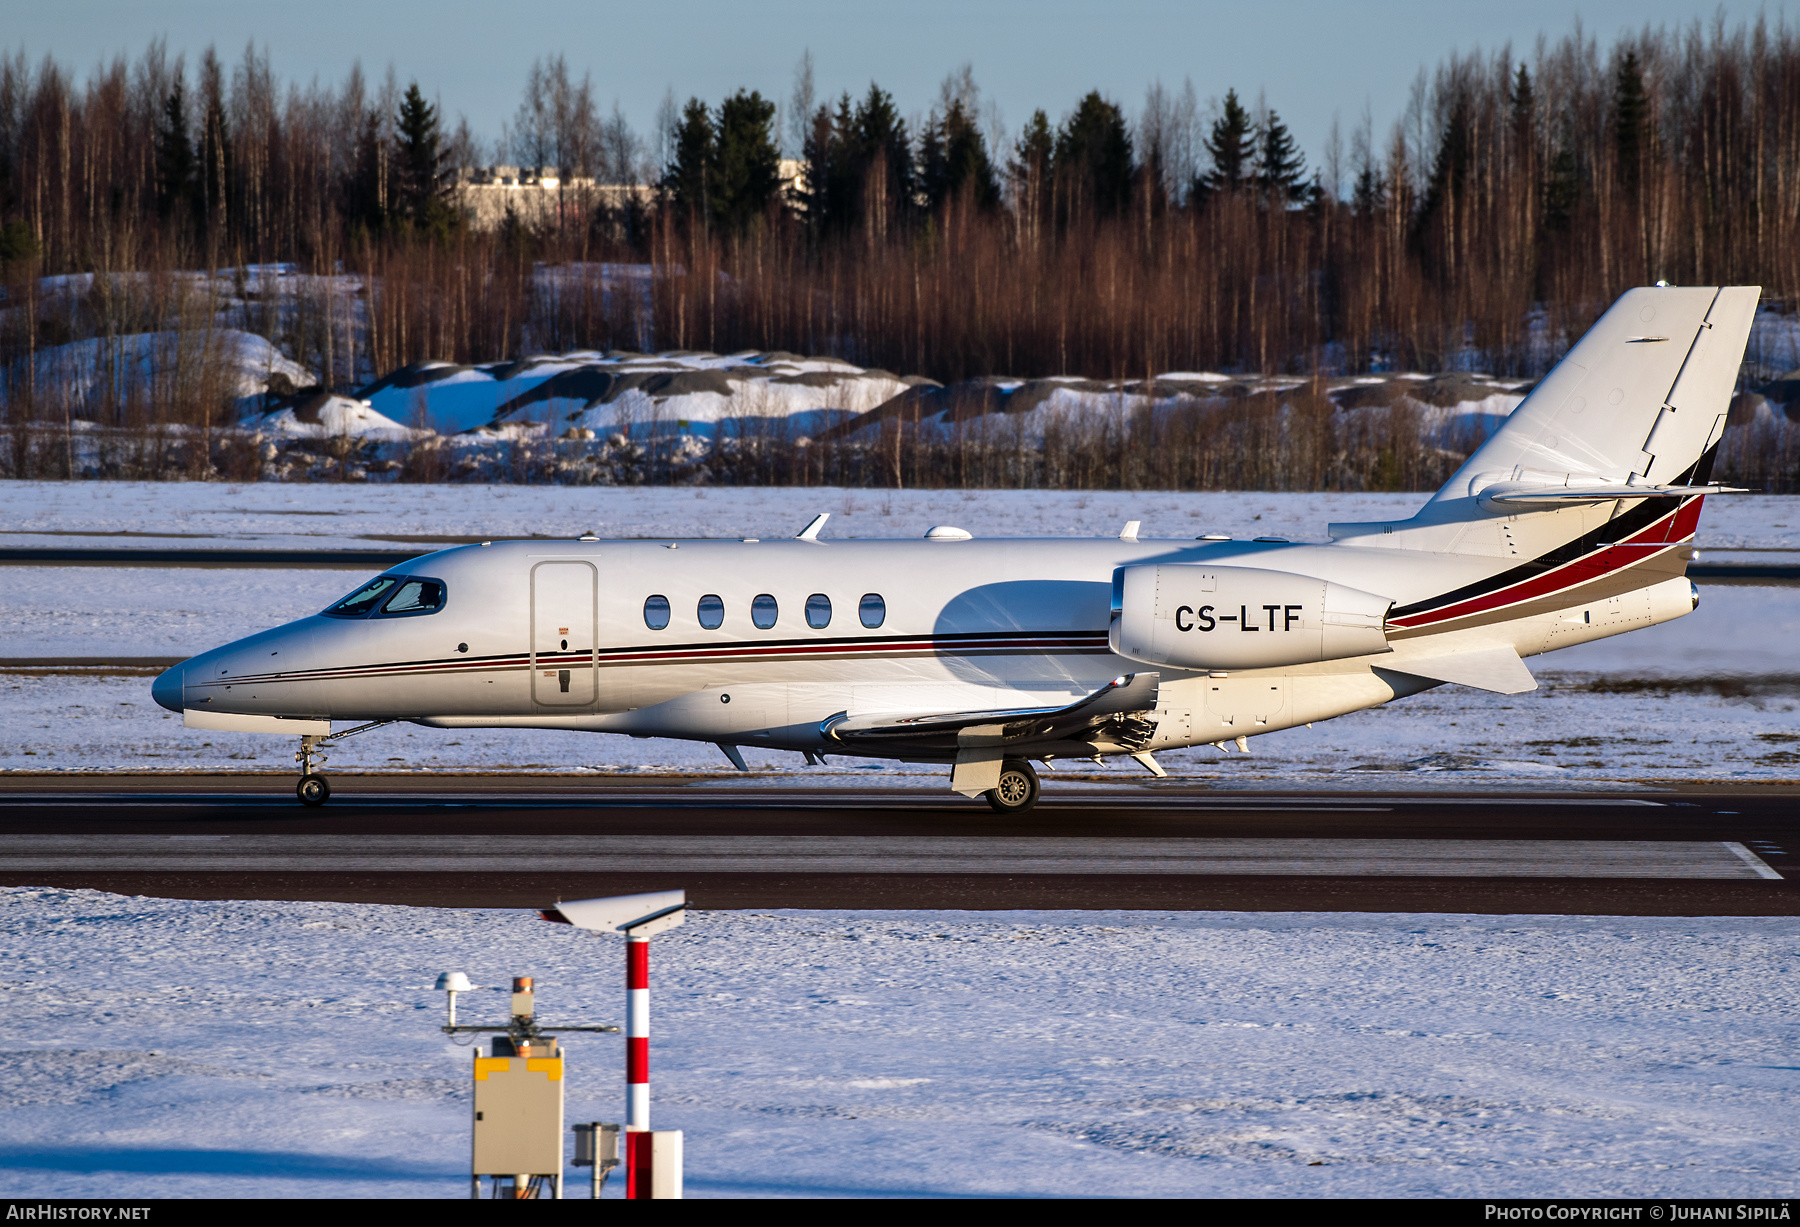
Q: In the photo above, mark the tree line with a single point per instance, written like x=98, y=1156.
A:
x=1513, y=199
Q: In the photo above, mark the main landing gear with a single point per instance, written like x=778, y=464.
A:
x=1017, y=790
x=314, y=789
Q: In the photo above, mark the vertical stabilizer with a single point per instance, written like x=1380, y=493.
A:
x=1640, y=400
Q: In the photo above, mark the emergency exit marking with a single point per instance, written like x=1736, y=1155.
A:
x=562, y=630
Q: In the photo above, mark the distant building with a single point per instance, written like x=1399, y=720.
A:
x=538, y=196
x=541, y=196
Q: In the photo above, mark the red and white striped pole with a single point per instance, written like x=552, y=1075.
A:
x=637, y=1067
x=638, y=917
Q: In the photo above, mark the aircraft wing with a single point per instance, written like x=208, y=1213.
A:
x=1121, y=697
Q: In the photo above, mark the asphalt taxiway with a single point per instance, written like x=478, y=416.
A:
x=510, y=841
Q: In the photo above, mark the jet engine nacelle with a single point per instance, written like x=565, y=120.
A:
x=1200, y=617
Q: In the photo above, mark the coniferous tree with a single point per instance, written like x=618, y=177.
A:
x=746, y=171
x=1030, y=171
x=1368, y=196
x=214, y=171
x=933, y=162
x=368, y=192
x=860, y=167
x=953, y=162
x=1631, y=109
x=842, y=181
x=174, y=153
x=1231, y=144
x=1523, y=105
x=1451, y=166
x=688, y=179
x=420, y=162
x=812, y=197
x=882, y=162
x=1093, y=161
x=1562, y=184
x=1280, y=166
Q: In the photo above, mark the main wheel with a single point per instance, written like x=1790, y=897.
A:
x=1017, y=790
x=313, y=790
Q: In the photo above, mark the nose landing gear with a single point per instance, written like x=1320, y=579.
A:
x=314, y=789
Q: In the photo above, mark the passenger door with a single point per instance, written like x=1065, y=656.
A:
x=564, y=610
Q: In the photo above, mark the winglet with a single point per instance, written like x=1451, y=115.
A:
x=811, y=531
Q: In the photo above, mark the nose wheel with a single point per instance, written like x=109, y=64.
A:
x=1017, y=790
x=314, y=789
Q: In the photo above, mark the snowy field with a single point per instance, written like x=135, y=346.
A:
x=168, y=515
x=290, y=1050
x=1708, y=697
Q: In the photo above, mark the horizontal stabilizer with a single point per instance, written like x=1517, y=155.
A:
x=1135, y=692
x=1518, y=492
x=1497, y=669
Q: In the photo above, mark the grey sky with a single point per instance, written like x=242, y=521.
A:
x=1313, y=58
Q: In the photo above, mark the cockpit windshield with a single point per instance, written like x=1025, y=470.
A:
x=364, y=598
x=414, y=596
x=395, y=596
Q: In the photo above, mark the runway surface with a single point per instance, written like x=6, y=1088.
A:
x=513, y=841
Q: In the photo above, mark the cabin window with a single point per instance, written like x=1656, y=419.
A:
x=364, y=599
x=414, y=597
x=656, y=612
x=872, y=610
x=764, y=611
x=818, y=611
x=712, y=612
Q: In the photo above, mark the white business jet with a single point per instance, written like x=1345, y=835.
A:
x=1571, y=523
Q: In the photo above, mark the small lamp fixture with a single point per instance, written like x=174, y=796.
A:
x=452, y=983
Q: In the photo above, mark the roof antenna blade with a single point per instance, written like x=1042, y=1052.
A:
x=811, y=531
x=734, y=754
x=1130, y=531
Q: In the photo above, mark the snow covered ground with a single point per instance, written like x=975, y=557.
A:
x=634, y=394
x=1709, y=696
x=332, y=515
x=248, y=1049
x=107, y=370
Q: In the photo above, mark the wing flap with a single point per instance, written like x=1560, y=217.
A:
x=1123, y=696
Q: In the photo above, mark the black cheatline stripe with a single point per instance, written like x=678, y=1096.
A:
x=1623, y=524
x=974, y=641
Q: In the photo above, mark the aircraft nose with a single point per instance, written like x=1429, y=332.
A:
x=166, y=689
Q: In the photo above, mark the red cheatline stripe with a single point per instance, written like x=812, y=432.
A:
x=964, y=648
x=1645, y=544
x=637, y=1058
x=957, y=646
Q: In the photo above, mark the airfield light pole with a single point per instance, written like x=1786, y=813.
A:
x=653, y=1160
x=637, y=1047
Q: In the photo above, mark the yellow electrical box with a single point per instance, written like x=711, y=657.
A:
x=519, y=1116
